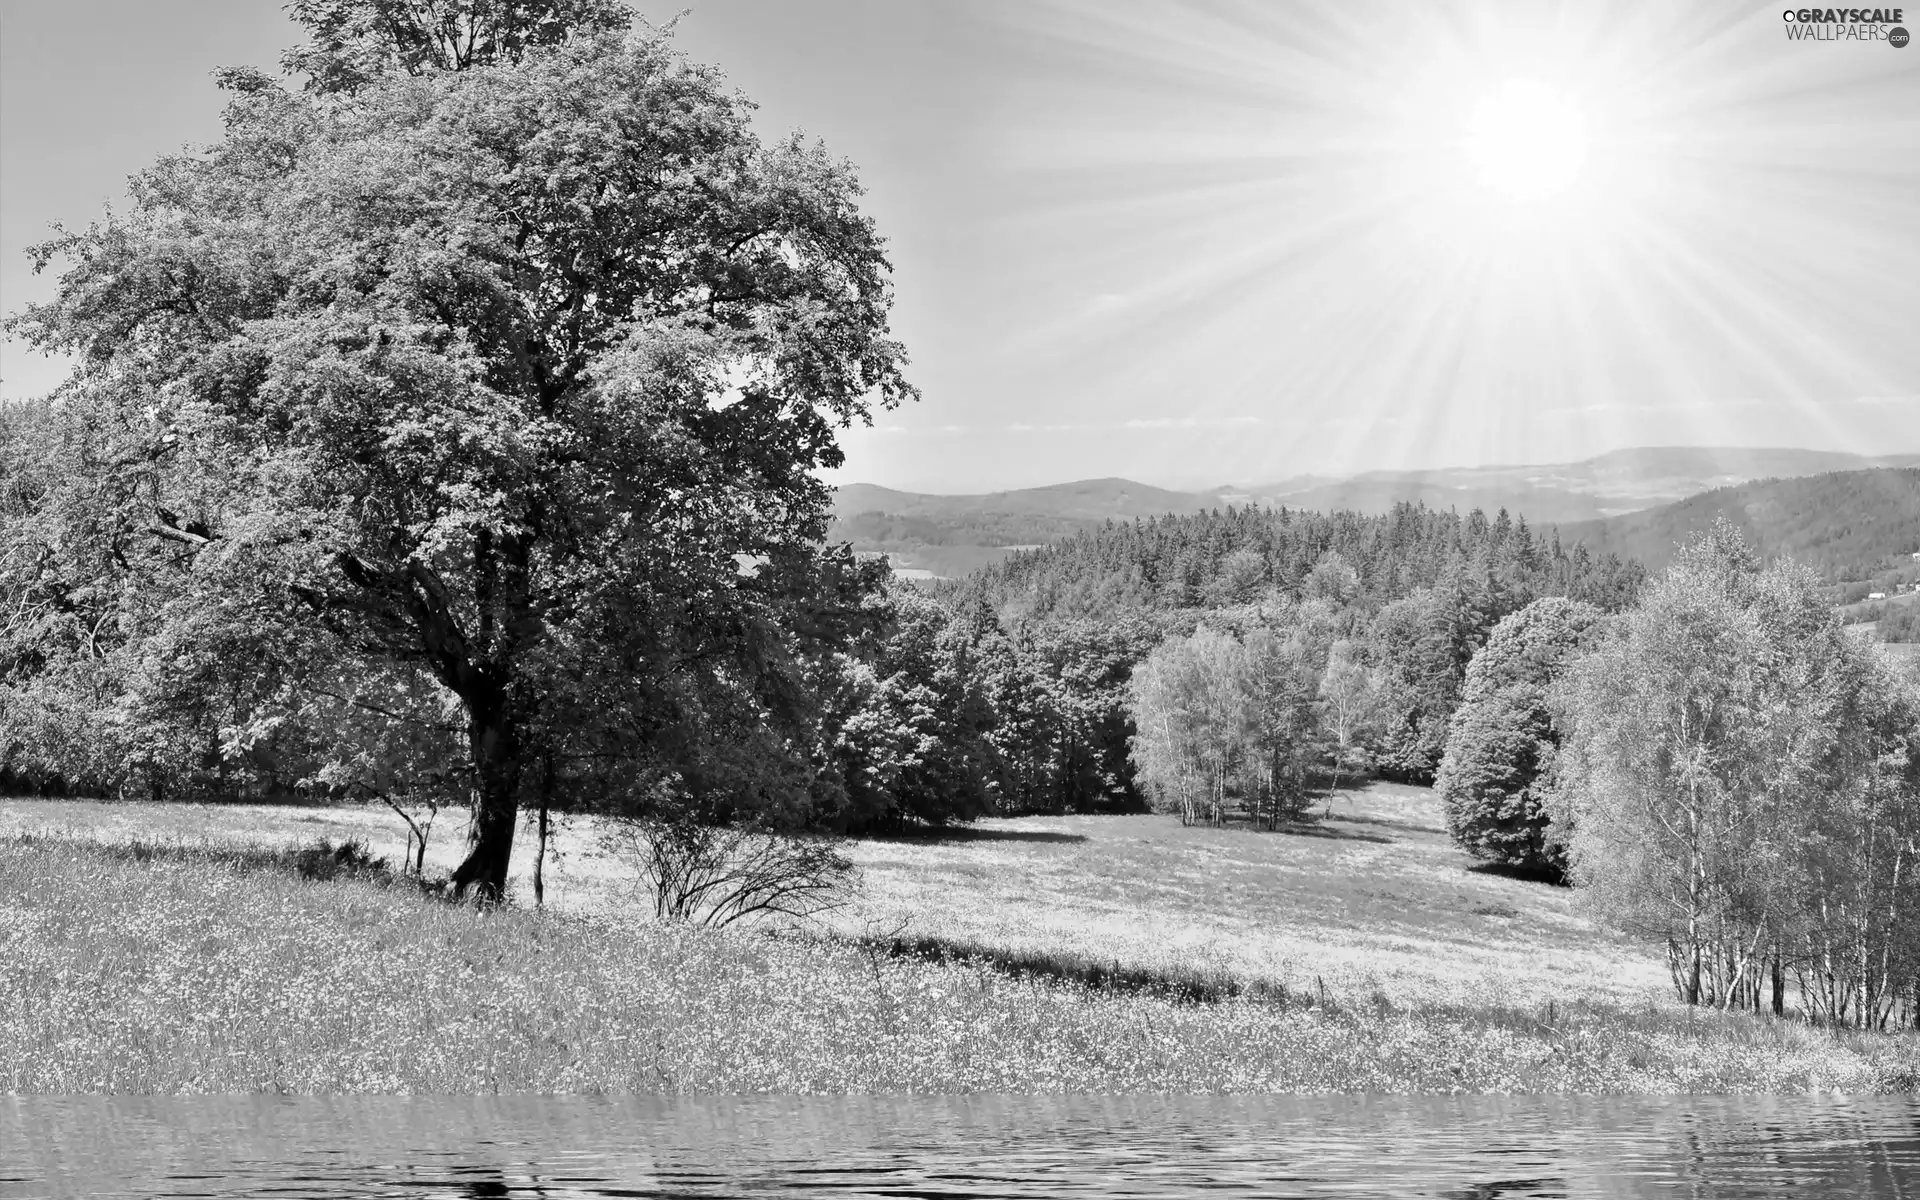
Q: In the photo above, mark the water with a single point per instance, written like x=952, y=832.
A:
x=1474, y=1148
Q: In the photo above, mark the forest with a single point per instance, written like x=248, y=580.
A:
x=1005, y=693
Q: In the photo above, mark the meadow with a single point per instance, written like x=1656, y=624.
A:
x=147, y=948
x=1373, y=898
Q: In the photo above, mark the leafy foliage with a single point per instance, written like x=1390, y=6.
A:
x=473, y=390
x=1219, y=716
x=1503, y=741
x=1743, y=781
x=1412, y=594
x=1188, y=561
x=356, y=42
x=1900, y=624
x=916, y=722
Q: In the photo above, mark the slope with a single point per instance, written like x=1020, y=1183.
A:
x=1848, y=525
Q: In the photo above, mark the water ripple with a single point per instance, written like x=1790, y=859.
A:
x=1483, y=1148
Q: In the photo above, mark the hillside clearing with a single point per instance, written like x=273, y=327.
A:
x=179, y=974
x=1372, y=899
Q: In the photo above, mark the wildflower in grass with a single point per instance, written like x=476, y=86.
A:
x=109, y=982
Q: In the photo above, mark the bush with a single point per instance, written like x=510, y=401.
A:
x=715, y=875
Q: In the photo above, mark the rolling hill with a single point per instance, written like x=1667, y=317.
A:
x=1848, y=525
x=1086, y=500
x=951, y=535
x=1604, y=486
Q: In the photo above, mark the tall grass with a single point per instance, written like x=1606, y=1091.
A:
x=181, y=972
x=1399, y=909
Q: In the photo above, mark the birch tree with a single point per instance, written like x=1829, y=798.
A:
x=1193, y=723
x=1653, y=801
x=1741, y=781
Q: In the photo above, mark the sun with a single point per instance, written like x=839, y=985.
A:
x=1526, y=141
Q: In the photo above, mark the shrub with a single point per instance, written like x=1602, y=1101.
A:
x=715, y=875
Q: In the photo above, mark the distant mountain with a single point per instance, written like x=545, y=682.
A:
x=1846, y=525
x=1087, y=500
x=1374, y=495
x=1619, y=482
x=951, y=535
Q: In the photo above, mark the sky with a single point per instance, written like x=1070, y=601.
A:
x=1203, y=244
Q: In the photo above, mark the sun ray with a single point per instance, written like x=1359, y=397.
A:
x=1458, y=233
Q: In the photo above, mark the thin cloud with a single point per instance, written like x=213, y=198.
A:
x=1658, y=406
x=1191, y=423
x=1344, y=422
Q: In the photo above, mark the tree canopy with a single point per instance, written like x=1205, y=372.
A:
x=1742, y=781
x=458, y=387
x=1503, y=740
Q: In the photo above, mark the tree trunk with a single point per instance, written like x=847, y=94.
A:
x=493, y=741
x=540, y=854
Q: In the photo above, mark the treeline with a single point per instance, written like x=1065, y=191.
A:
x=1721, y=767
x=985, y=530
x=1234, y=556
x=1010, y=692
x=945, y=714
x=1017, y=690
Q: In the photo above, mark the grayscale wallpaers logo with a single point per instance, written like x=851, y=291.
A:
x=1846, y=25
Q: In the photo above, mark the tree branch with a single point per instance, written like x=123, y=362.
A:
x=167, y=525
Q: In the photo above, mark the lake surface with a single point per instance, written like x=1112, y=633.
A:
x=1467, y=1148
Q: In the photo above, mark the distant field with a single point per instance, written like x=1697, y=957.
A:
x=1374, y=900
x=1864, y=612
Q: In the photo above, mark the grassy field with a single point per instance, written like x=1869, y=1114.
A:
x=1373, y=899
x=1366, y=957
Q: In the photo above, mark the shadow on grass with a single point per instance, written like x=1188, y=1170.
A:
x=1386, y=823
x=1523, y=874
x=1188, y=986
x=967, y=833
x=321, y=860
x=1319, y=830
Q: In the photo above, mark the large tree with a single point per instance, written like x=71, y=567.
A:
x=1503, y=740
x=502, y=354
